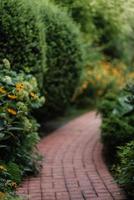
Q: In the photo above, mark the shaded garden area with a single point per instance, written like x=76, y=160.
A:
x=59, y=57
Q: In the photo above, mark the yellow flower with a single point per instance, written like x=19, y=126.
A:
x=2, y=90
x=12, y=111
x=84, y=86
x=33, y=95
x=14, y=185
x=2, y=168
x=19, y=86
x=2, y=195
x=10, y=96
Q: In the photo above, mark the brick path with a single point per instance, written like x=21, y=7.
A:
x=73, y=167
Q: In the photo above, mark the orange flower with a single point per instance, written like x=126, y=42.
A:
x=10, y=96
x=12, y=111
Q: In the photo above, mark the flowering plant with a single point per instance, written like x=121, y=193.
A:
x=19, y=94
x=102, y=78
x=6, y=184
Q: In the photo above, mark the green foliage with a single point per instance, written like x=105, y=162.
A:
x=130, y=89
x=22, y=38
x=14, y=171
x=65, y=57
x=117, y=127
x=107, y=104
x=6, y=183
x=101, y=23
x=19, y=94
x=125, y=168
x=11, y=197
x=117, y=131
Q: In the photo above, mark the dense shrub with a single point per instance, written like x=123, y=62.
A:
x=64, y=58
x=101, y=23
x=117, y=127
x=125, y=169
x=22, y=38
x=19, y=94
x=99, y=80
x=107, y=104
x=81, y=13
x=117, y=131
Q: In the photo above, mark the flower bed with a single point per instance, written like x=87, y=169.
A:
x=19, y=95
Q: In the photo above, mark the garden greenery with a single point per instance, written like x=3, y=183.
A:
x=68, y=46
x=19, y=94
x=101, y=23
x=22, y=36
x=47, y=44
x=64, y=58
x=118, y=130
x=100, y=80
x=125, y=168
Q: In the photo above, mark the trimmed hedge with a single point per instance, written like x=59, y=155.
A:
x=100, y=22
x=22, y=39
x=65, y=58
x=27, y=28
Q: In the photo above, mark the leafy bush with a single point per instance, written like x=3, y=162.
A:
x=81, y=13
x=101, y=79
x=6, y=183
x=100, y=21
x=22, y=39
x=117, y=127
x=65, y=57
x=19, y=94
x=117, y=131
x=107, y=104
x=125, y=168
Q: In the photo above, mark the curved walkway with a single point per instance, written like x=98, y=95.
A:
x=73, y=167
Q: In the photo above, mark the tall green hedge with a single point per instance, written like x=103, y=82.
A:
x=22, y=39
x=64, y=58
x=36, y=34
x=101, y=23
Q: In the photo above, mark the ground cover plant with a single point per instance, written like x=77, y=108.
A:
x=19, y=95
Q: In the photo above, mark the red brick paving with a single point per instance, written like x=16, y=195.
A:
x=73, y=166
